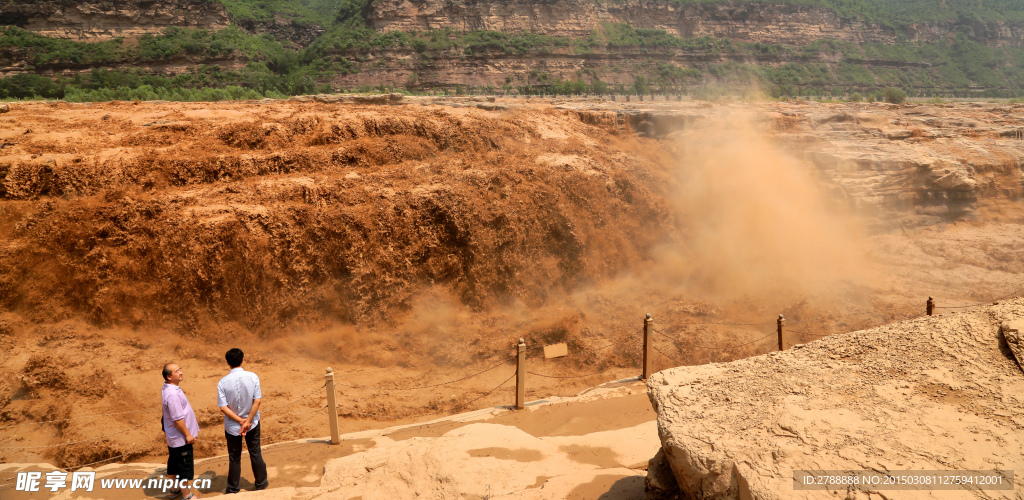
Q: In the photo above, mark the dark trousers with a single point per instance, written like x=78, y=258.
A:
x=180, y=462
x=259, y=467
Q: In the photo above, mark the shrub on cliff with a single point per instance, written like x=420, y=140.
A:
x=894, y=95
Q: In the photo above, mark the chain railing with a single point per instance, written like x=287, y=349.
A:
x=931, y=304
x=782, y=333
x=80, y=441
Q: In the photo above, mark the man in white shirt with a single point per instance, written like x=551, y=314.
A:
x=239, y=396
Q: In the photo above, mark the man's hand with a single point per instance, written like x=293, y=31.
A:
x=180, y=425
x=252, y=414
x=232, y=415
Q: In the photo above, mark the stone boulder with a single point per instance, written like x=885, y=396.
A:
x=1012, y=334
x=933, y=393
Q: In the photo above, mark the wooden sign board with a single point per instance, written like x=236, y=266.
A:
x=556, y=350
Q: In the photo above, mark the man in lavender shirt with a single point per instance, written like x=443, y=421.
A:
x=239, y=398
x=181, y=428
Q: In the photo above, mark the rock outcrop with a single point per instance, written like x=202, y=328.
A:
x=1011, y=332
x=299, y=34
x=933, y=393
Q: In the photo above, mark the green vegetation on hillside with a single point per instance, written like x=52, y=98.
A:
x=657, y=61
x=174, y=43
x=896, y=13
x=961, y=66
x=205, y=82
x=899, y=13
x=346, y=39
x=319, y=12
x=949, y=67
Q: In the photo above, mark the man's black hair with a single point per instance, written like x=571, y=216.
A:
x=234, y=357
x=167, y=371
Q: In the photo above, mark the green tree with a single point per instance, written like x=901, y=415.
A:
x=894, y=95
x=640, y=85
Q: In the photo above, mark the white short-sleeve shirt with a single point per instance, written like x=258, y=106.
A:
x=237, y=390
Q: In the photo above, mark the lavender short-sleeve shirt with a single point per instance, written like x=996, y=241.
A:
x=177, y=407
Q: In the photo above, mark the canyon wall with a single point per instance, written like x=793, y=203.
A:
x=95, y=20
x=785, y=24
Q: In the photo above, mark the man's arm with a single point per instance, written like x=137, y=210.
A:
x=252, y=414
x=180, y=425
x=232, y=415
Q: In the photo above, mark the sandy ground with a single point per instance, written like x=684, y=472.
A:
x=111, y=257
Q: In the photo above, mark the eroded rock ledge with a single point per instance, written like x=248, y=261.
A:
x=933, y=393
x=755, y=22
x=94, y=20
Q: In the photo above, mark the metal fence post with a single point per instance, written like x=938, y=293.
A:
x=521, y=376
x=332, y=407
x=930, y=306
x=648, y=344
x=782, y=323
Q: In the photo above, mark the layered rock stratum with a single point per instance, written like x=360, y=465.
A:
x=94, y=20
x=933, y=393
x=755, y=22
x=586, y=49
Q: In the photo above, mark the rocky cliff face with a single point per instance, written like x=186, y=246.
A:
x=96, y=20
x=406, y=67
x=300, y=35
x=786, y=24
